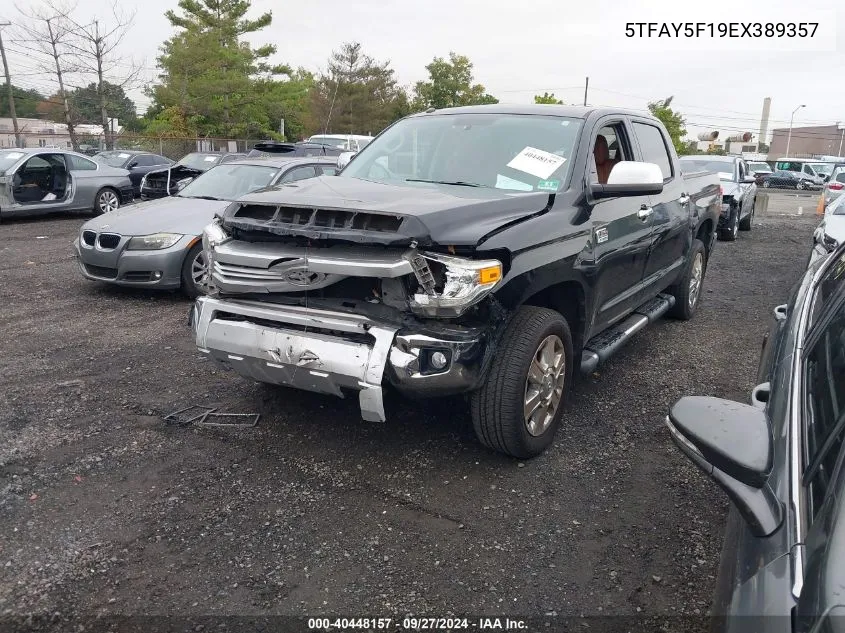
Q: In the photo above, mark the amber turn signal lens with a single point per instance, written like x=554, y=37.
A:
x=489, y=275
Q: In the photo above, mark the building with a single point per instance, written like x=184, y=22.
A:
x=808, y=142
x=43, y=133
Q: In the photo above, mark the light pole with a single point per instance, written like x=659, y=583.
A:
x=841, y=126
x=789, y=136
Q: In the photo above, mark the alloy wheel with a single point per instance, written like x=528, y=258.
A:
x=108, y=201
x=200, y=275
x=544, y=385
x=696, y=278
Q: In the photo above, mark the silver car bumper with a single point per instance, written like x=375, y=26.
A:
x=331, y=352
x=155, y=269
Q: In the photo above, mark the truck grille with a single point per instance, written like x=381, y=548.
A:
x=233, y=272
x=320, y=218
x=89, y=237
x=109, y=240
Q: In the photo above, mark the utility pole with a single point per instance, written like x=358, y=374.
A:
x=586, y=87
x=9, y=87
x=789, y=136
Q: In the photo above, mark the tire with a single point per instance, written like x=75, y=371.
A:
x=766, y=184
x=801, y=185
x=106, y=201
x=745, y=223
x=498, y=408
x=194, y=260
x=729, y=233
x=687, y=293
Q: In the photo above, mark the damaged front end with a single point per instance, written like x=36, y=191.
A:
x=167, y=182
x=303, y=307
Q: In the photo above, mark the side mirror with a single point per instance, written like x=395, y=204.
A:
x=732, y=443
x=630, y=178
x=344, y=159
x=749, y=179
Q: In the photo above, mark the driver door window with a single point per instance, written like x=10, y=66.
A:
x=609, y=148
x=43, y=178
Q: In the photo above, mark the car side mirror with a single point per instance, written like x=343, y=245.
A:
x=749, y=179
x=344, y=159
x=630, y=178
x=731, y=442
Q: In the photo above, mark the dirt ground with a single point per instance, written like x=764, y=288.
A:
x=106, y=511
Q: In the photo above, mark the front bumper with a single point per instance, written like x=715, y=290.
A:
x=331, y=352
x=140, y=269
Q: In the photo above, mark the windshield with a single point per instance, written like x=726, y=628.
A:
x=724, y=168
x=229, y=182
x=759, y=167
x=503, y=151
x=200, y=161
x=7, y=159
x=328, y=140
x=823, y=169
x=113, y=159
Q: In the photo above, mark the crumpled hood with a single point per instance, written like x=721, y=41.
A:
x=172, y=214
x=444, y=214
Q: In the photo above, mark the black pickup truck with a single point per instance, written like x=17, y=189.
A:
x=490, y=250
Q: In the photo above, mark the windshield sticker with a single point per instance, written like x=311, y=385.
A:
x=536, y=162
x=548, y=185
x=210, y=159
x=14, y=155
x=503, y=182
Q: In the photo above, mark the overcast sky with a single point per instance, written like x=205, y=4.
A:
x=523, y=48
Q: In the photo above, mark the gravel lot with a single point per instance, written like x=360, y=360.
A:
x=105, y=510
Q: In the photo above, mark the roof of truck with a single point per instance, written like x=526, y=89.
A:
x=576, y=112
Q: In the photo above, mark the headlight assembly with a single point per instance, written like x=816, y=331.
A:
x=154, y=242
x=451, y=285
x=181, y=184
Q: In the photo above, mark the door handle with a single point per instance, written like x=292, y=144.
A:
x=645, y=212
x=684, y=199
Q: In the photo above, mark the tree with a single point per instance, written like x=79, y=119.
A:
x=672, y=120
x=547, y=97
x=356, y=94
x=48, y=33
x=86, y=104
x=211, y=75
x=26, y=102
x=96, y=49
x=450, y=84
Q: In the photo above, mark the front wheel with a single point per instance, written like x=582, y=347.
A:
x=106, y=201
x=801, y=185
x=518, y=409
x=196, y=277
x=729, y=233
x=687, y=291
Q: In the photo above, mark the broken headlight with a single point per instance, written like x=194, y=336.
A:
x=213, y=235
x=448, y=286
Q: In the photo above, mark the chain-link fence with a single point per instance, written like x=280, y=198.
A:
x=169, y=146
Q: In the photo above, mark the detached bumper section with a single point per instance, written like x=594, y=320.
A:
x=334, y=352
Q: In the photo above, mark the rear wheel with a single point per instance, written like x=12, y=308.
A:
x=195, y=273
x=518, y=409
x=106, y=201
x=687, y=291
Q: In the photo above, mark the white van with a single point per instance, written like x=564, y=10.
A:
x=816, y=170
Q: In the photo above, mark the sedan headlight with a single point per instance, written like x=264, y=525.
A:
x=181, y=184
x=451, y=285
x=154, y=242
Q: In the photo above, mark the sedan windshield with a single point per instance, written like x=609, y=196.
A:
x=7, y=159
x=758, y=167
x=229, y=182
x=502, y=151
x=112, y=159
x=200, y=161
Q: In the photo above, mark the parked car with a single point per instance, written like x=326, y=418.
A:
x=739, y=191
x=780, y=461
x=835, y=184
x=158, y=183
x=346, y=142
x=40, y=180
x=759, y=168
x=830, y=233
x=813, y=171
x=137, y=163
x=156, y=244
x=486, y=250
x=788, y=180
x=276, y=148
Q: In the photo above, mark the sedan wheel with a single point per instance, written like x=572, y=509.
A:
x=107, y=201
x=199, y=273
x=801, y=185
x=766, y=184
